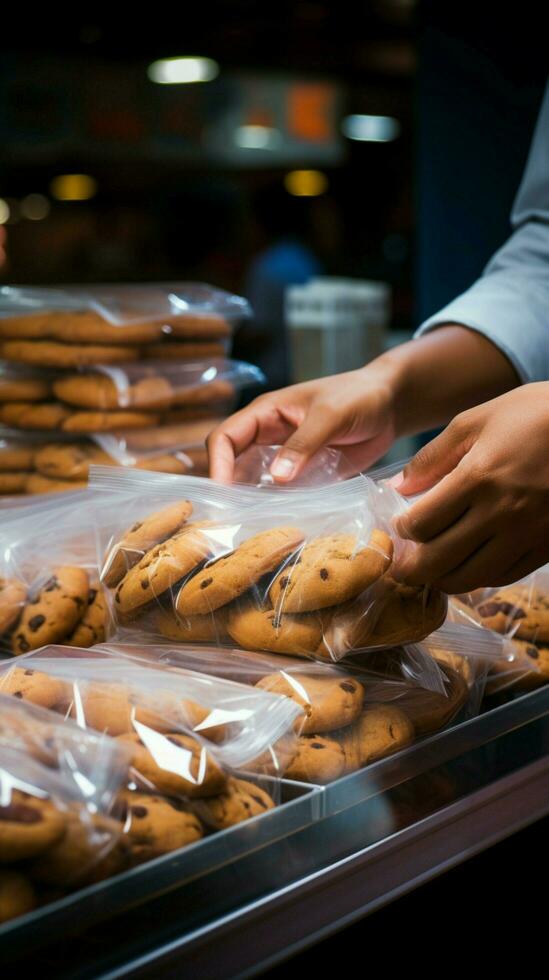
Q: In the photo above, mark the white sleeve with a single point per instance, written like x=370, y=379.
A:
x=509, y=304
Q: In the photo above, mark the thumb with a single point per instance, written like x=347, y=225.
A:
x=436, y=459
x=319, y=426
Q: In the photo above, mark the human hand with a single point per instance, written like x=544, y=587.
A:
x=354, y=410
x=484, y=520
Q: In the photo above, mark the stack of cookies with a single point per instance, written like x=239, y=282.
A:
x=280, y=590
x=68, y=608
x=32, y=466
x=105, y=361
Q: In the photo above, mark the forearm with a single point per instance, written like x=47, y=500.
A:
x=443, y=373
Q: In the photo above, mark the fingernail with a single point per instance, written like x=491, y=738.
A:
x=283, y=468
x=397, y=480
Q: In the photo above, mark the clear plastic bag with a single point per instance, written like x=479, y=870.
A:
x=112, y=397
x=132, y=698
x=300, y=572
x=519, y=614
x=49, y=580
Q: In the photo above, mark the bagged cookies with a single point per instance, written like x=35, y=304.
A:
x=303, y=572
x=79, y=326
x=109, y=397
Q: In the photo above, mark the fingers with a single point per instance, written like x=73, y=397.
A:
x=228, y=440
x=438, y=510
x=319, y=426
x=438, y=458
x=436, y=562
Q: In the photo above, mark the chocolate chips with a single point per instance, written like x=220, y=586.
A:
x=135, y=527
x=36, y=622
x=317, y=745
x=144, y=583
x=139, y=811
x=347, y=686
x=507, y=608
x=284, y=581
x=51, y=585
x=324, y=574
x=22, y=643
x=205, y=583
x=532, y=652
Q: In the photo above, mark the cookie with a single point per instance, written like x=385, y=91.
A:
x=173, y=350
x=12, y=597
x=91, y=849
x=100, y=393
x=380, y=730
x=164, y=464
x=429, y=711
x=12, y=483
x=36, y=483
x=329, y=701
x=48, y=353
x=187, y=436
x=210, y=628
x=240, y=801
x=42, y=415
x=66, y=461
x=155, y=825
x=520, y=610
x=204, y=394
x=86, y=327
x=387, y=615
x=229, y=577
x=207, y=326
x=329, y=571
x=262, y=629
x=176, y=764
x=109, y=708
x=189, y=413
x=525, y=669
x=92, y=628
x=33, y=686
x=143, y=535
x=28, y=825
x=29, y=326
x=52, y=615
x=163, y=567
x=16, y=458
x=24, y=390
x=108, y=421
x=17, y=895
x=461, y=664
x=319, y=759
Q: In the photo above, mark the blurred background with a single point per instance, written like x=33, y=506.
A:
x=255, y=146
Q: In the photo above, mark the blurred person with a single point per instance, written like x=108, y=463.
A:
x=481, y=364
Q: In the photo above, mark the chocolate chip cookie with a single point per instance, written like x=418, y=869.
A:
x=380, y=730
x=229, y=577
x=141, y=537
x=54, y=612
x=319, y=759
x=28, y=825
x=92, y=628
x=13, y=593
x=175, y=764
x=330, y=701
x=33, y=686
x=522, y=611
x=329, y=571
x=240, y=801
x=156, y=825
x=263, y=629
x=49, y=353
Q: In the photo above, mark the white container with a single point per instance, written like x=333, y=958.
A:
x=335, y=324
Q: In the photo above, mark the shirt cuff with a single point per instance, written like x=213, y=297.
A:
x=505, y=317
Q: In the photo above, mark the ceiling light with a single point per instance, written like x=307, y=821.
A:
x=256, y=137
x=178, y=71
x=371, y=129
x=73, y=187
x=306, y=183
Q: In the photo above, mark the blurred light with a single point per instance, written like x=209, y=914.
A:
x=73, y=187
x=306, y=183
x=374, y=129
x=177, y=71
x=35, y=207
x=4, y=211
x=256, y=137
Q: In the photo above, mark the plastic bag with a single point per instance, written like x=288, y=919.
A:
x=133, y=698
x=38, y=463
x=74, y=326
x=49, y=579
x=371, y=707
x=518, y=613
x=113, y=397
x=301, y=572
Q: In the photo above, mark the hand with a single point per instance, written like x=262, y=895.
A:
x=408, y=389
x=485, y=522
x=353, y=410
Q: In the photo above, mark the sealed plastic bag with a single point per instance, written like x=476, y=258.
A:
x=49, y=582
x=78, y=326
x=301, y=572
x=134, y=396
